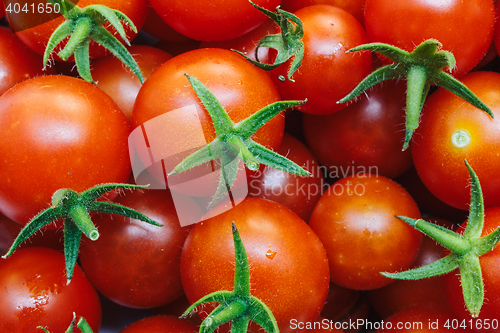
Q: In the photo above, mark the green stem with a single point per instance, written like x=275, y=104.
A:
x=233, y=310
x=79, y=215
x=83, y=27
x=417, y=79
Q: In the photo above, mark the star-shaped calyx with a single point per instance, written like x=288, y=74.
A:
x=82, y=324
x=465, y=250
x=423, y=67
x=75, y=208
x=288, y=43
x=233, y=142
x=83, y=25
x=238, y=306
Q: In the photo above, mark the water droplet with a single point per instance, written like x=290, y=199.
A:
x=270, y=254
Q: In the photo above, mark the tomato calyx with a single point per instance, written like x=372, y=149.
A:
x=238, y=306
x=81, y=26
x=288, y=42
x=233, y=142
x=465, y=250
x=75, y=208
x=422, y=68
x=82, y=324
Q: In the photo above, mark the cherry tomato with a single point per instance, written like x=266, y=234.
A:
x=406, y=24
x=355, y=220
x=161, y=324
x=288, y=264
x=451, y=131
x=57, y=132
x=327, y=72
x=33, y=292
x=215, y=20
x=354, y=7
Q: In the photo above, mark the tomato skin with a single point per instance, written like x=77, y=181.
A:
x=211, y=21
x=406, y=24
x=355, y=220
x=440, y=163
x=133, y=263
x=161, y=324
x=57, y=132
x=327, y=72
x=354, y=7
x=490, y=266
x=366, y=135
x=33, y=292
x=288, y=264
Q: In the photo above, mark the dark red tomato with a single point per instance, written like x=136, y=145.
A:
x=339, y=302
x=211, y=21
x=158, y=28
x=161, y=324
x=354, y=7
x=288, y=265
x=33, y=292
x=133, y=263
x=57, y=132
x=355, y=220
x=38, y=36
x=421, y=319
x=242, y=89
x=406, y=24
x=327, y=72
x=119, y=81
x=403, y=294
x=18, y=61
x=299, y=194
x=490, y=265
x=365, y=137
x=451, y=131
x=319, y=325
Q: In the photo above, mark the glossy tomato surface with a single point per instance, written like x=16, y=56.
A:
x=161, y=324
x=406, y=24
x=451, y=130
x=355, y=220
x=34, y=292
x=57, y=132
x=288, y=264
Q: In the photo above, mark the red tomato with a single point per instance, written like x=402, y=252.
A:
x=57, y=132
x=156, y=27
x=38, y=36
x=137, y=264
x=355, y=220
x=215, y=20
x=18, y=61
x=299, y=194
x=327, y=72
x=161, y=324
x=489, y=317
x=288, y=264
x=119, y=82
x=406, y=24
x=33, y=292
x=451, y=131
x=365, y=137
x=354, y=7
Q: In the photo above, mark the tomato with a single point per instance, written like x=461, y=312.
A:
x=137, y=264
x=327, y=72
x=119, y=81
x=57, y=132
x=161, y=324
x=422, y=319
x=406, y=24
x=18, y=61
x=355, y=220
x=241, y=88
x=451, y=131
x=33, y=292
x=288, y=265
x=364, y=137
x=354, y=7
x=215, y=20
x=156, y=27
x=299, y=194
x=490, y=266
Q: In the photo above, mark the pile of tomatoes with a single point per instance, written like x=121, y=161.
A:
x=316, y=245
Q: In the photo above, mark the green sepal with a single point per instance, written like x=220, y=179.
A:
x=475, y=223
x=233, y=141
x=82, y=324
x=422, y=67
x=238, y=306
x=439, y=267
x=471, y=279
x=288, y=42
x=75, y=208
